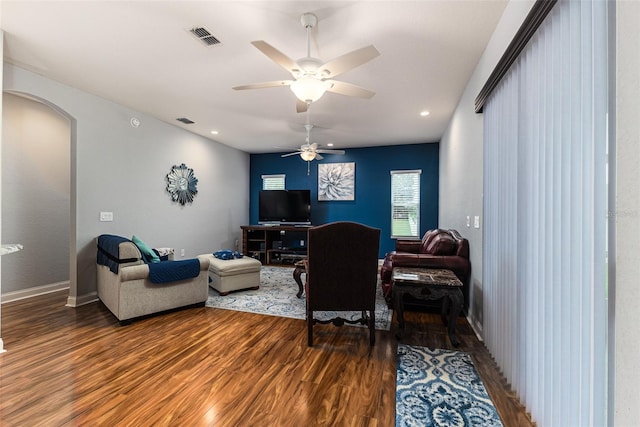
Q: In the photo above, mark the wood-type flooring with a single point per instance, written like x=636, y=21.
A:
x=209, y=367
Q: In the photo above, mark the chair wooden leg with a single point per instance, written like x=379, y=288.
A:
x=372, y=327
x=310, y=328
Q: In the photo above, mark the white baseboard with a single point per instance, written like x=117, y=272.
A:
x=477, y=328
x=82, y=299
x=32, y=292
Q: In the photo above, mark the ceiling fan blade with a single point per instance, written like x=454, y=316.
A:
x=330, y=151
x=275, y=83
x=301, y=106
x=349, y=61
x=276, y=56
x=318, y=157
x=290, y=154
x=349, y=89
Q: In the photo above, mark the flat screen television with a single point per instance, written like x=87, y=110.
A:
x=284, y=207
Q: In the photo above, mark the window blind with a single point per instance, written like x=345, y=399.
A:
x=405, y=203
x=273, y=182
x=545, y=209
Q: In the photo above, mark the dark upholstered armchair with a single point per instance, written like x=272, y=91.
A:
x=342, y=270
x=438, y=249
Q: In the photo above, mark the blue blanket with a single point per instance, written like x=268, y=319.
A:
x=109, y=251
x=172, y=271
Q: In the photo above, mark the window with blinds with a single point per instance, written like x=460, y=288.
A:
x=405, y=203
x=273, y=182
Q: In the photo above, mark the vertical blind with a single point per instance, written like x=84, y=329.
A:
x=405, y=203
x=545, y=206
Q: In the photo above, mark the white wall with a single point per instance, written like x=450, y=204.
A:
x=121, y=169
x=461, y=155
x=626, y=410
x=1, y=79
x=35, y=194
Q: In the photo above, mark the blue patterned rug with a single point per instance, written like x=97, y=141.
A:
x=440, y=388
x=277, y=297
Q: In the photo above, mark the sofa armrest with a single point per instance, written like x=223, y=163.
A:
x=411, y=246
x=134, y=272
x=141, y=272
x=204, y=262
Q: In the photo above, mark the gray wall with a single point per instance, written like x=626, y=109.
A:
x=35, y=194
x=121, y=169
x=624, y=331
x=461, y=156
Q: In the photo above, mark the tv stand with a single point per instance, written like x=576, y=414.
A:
x=275, y=244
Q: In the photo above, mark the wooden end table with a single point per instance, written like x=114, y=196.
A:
x=428, y=284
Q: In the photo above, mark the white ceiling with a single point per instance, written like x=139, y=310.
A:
x=140, y=54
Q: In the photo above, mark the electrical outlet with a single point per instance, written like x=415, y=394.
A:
x=106, y=216
x=182, y=252
x=468, y=221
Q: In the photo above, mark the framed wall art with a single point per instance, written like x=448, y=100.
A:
x=336, y=181
x=182, y=184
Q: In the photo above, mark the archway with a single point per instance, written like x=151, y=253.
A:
x=39, y=196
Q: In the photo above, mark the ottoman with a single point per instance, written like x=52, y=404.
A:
x=229, y=275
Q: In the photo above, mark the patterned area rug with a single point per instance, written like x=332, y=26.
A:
x=440, y=388
x=277, y=297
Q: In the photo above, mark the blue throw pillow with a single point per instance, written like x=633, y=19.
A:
x=227, y=254
x=148, y=255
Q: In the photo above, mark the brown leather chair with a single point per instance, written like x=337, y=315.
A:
x=342, y=269
x=438, y=249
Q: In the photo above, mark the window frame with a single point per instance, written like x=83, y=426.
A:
x=414, y=229
x=269, y=182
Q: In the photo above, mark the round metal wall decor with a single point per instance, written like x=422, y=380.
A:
x=182, y=184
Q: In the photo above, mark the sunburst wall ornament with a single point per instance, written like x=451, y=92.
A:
x=182, y=184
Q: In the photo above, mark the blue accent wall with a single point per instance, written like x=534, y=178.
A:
x=372, y=204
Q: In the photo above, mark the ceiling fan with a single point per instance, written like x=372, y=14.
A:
x=312, y=77
x=310, y=151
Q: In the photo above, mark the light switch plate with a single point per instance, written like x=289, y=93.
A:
x=476, y=221
x=106, y=216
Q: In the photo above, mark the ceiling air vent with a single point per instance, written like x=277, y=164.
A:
x=185, y=120
x=204, y=36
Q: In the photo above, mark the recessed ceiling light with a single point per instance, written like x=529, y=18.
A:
x=330, y=144
x=424, y=113
x=214, y=132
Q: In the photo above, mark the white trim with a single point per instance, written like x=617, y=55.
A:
x=418, y=171
x=35, y=291
x=77, y=301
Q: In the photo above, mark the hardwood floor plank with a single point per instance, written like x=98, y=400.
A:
x=209, y=367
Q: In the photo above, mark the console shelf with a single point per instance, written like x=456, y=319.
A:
x=275, y=244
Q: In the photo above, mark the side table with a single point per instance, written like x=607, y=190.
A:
x=428, y=284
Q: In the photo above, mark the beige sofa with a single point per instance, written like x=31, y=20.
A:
x=130, y=293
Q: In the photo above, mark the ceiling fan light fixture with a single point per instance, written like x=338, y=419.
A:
x=309, y=89
x=307, y=156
